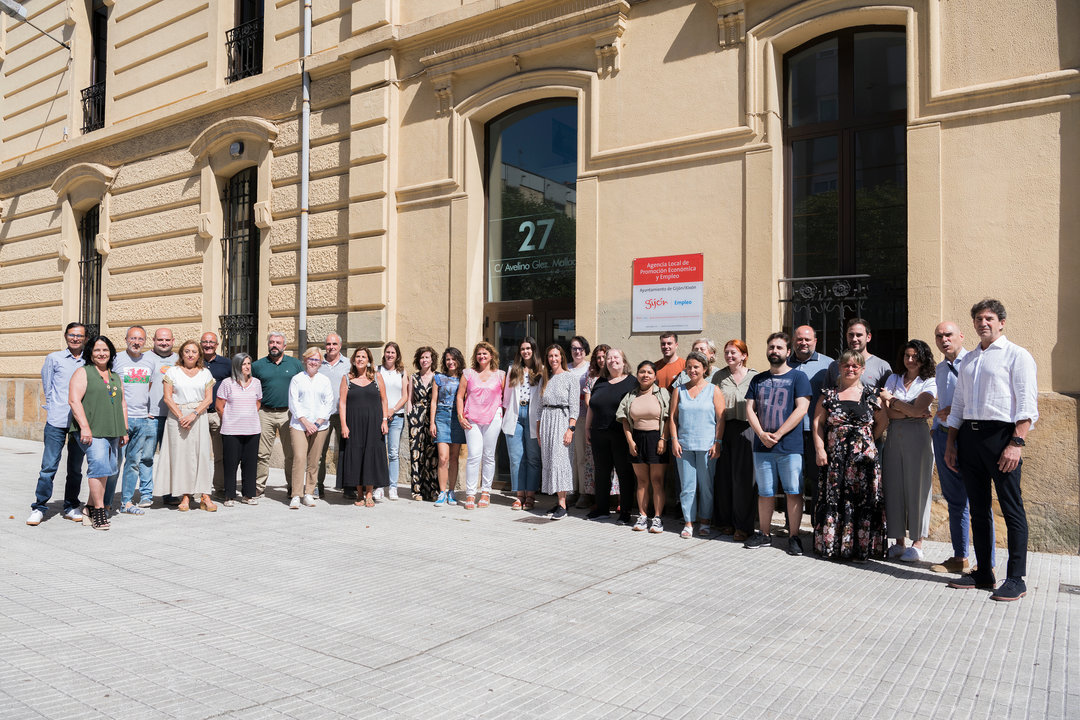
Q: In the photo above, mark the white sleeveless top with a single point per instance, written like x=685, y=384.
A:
x=393, y=381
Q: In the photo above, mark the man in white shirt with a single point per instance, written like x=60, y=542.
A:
x=993, y=408
x=335, y=366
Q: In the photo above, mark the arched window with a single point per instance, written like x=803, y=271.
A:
x=90, y=272
x=845, y=114
x=531, y=228
x=240, y=248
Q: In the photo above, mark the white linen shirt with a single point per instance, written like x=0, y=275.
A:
x=895, y=385
x=311, y=398
x=997, y=383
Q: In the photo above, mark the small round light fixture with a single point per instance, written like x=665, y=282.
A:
x=236, y=149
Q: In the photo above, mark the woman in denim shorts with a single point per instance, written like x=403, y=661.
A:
x=99, y=416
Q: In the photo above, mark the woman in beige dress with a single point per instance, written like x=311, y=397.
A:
x=184, y=466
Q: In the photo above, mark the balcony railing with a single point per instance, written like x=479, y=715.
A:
x=238, y=334
x=93, y=107
x=823, y=302
x=244, y=45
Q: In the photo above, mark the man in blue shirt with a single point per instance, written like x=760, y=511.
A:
x=221, y=368
x=776, y=403
x=808, y=360
x=55, y=377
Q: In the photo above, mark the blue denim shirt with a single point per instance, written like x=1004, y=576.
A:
x=817, y=369
x=55, y=377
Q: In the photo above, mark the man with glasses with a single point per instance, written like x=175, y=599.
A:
x=220, y=368
x=55, y=377
x=159, y=412
x=136, y=370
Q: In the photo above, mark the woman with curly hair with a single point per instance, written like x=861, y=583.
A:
x=907, y=460
x=445, y=428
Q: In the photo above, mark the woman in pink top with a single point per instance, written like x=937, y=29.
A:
x=238, y=400
x=479, y=408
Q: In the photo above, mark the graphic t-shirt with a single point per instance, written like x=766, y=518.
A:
x=136, y=376
x=774, y=400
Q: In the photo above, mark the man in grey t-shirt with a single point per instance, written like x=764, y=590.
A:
x=136, y=370
x=858, y=336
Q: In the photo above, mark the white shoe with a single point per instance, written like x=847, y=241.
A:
x=896, y=551
x=73, y=514
x=294, y=504
x=308, y=501
x=36, y=517
x=377, y=495
x=391, y=493
x=912, y=554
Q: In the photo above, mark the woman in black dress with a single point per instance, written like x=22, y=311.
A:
x=363, y=414
x=423, y=455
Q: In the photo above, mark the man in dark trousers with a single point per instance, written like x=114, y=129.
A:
x=993, y=408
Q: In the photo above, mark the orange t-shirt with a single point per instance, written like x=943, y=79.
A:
x=666, y=373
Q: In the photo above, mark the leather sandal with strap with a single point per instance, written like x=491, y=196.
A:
x=485, y=500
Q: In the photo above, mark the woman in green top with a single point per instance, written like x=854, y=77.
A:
x=99, y=416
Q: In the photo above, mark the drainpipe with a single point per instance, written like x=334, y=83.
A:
x=305, y=171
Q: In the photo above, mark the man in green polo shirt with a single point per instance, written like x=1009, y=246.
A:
x=275, y=372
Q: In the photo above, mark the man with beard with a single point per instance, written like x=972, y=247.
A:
x=858, y=337
x=776, y=402
x=275, y=372
x=55, y=377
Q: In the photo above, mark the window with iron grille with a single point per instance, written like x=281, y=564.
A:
x=93, y=97
x=240, y=246
x=90, y=272
x=244, y=43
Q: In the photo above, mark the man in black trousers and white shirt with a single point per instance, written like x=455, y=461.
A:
x=993, y=408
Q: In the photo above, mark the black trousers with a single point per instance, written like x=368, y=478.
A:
x=610, y=452
x=979, y=445
x=242, y=451
x=735, y=492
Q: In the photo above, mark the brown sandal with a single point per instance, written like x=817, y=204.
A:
x=369, y=502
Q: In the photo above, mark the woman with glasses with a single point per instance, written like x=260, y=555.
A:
x=311, y=402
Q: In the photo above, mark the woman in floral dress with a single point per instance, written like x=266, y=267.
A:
x=423, y=456
x=849, y=519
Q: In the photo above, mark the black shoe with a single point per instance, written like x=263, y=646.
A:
x=558, y=513
x=351, y=494
x=969, y=581
x=594, y=514
x=171, y=500
x=794, y=545
x=1011, y=589
x=624, y=519
x=756, y=541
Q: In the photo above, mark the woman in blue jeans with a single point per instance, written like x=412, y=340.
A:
x=524, y=449
x=696, y=426
x=392, y=372
x=99, y=419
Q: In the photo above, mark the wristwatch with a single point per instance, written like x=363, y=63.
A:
x=1017, y=441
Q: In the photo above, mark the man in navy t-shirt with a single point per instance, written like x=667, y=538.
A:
x=776, y=403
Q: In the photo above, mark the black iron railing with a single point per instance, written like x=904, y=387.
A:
x=238, y=334
x=93, y=107
x=244, y=45
x=824, y=302
x=90, y=272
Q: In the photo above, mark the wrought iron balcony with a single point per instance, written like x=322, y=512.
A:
x=244, y=45
x=823, y=302
x=238, y=334
x=93, y=107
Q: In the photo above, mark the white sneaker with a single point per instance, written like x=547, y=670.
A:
x=912, y=554
x=308, y=501
x=294, y=504
x=391, y=493
x=377, y=495
x=73, y=514
x=36, y=517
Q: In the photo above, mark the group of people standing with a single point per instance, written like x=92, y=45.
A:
x=732, y=437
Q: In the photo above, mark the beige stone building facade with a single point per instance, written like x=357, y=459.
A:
x=490, y=168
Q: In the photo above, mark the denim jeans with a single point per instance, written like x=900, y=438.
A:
x=50, y=460
x=696, y=470
x=768, y=467
x=952, y=488
x=394, y=427
x=524, y=451
x=138, y=463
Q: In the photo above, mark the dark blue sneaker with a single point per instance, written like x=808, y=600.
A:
x=757, y=540
x=1010, y=590
x=968, y=581
x=558, y=513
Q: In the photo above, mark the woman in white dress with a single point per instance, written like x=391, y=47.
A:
x=555, y=427
x=184, y=467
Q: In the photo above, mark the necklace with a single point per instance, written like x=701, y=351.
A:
x=110, y=389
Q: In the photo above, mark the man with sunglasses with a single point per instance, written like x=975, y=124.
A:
x=55, y=377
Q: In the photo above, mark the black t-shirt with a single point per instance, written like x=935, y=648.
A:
x=605, y=399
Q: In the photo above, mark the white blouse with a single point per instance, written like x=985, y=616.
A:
x=311, y=398
x=895, y=385
x=188, y=389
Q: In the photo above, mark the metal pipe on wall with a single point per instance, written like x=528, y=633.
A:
x=305, y=171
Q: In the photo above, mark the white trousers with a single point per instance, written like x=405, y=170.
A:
x=481, y=441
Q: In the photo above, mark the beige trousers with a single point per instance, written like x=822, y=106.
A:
x=307, y=450
x=272, y=423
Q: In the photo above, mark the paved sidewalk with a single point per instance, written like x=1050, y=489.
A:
x=408, y=611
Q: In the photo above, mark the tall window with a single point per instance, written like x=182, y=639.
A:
x=240, y=245
x=90, y=272
x=532, y=232
x=244, y=43
x=93, y=97
x=847, y=167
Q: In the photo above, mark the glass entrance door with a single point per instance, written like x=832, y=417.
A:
x=508, y=324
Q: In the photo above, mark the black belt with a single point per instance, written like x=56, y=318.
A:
x=275, y=409
x=991, y=425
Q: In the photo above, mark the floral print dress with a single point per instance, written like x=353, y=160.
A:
x=849, y=519
x=423, y=455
